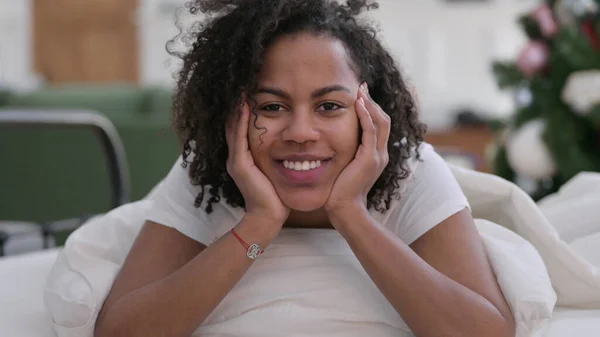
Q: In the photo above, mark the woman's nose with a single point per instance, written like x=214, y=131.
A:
x=300, y=128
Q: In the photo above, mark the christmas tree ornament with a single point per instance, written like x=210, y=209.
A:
x=582, y=91
x=523, y=97
x=534, y=58
x=568, y=12
x=545, y=20
x=585, y=8
x=527, y=153
x=591, y=33
x=564, y=13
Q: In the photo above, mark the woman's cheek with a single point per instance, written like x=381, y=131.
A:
x=261, y=131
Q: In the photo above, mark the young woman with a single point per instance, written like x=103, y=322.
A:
x=298, y=131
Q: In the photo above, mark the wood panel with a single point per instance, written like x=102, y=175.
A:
x=473, y=140
x=86, y=40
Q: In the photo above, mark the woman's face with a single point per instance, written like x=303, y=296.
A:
x=307, y=129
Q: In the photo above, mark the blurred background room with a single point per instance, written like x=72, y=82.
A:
x=85, y=94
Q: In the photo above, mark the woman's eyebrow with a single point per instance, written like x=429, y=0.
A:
x=316, y=93
x=273, y=91
x=331, y=88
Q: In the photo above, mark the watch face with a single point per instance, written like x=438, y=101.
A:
x=254, y=251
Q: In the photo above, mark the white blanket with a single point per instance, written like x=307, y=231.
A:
x=22, y=279
x=83, y=274
x=333, y=293
x=22, y=313
x=574, y=210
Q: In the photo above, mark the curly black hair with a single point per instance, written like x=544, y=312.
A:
x=226, y=54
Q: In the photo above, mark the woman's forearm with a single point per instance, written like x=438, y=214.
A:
x=177, y=304
x=431, y=303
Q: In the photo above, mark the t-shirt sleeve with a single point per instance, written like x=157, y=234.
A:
x=173, y=206
x=429, y=195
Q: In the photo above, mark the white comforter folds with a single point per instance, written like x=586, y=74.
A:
x=564, y=228
x=529, y=258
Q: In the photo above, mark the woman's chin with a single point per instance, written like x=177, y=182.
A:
x=304, y=203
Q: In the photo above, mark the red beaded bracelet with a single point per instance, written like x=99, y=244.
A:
x=252, y=251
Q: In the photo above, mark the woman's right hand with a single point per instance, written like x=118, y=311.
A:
x=262, y=201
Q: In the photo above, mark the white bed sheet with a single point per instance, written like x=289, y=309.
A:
x=22, y=279
x=22, y=313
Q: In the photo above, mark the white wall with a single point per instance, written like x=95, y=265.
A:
x=157, y=26
x=445, y=50
x=15, y=44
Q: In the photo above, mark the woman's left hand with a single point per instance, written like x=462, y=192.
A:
x=356, y=180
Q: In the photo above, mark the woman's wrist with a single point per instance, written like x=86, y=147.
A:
x=259, y=228
x=346, y=211
x=344, y=216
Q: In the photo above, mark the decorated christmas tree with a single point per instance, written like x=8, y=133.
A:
x=555, y=131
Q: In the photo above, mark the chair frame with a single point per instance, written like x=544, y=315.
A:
x=82, y=119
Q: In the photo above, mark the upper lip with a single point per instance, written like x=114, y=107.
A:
x=303, y=157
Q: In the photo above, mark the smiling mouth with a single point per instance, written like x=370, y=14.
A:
x=306, y=165
x=303, y=173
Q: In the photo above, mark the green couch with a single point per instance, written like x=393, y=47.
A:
x=56, y=174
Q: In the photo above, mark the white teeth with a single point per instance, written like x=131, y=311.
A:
x=301, y=165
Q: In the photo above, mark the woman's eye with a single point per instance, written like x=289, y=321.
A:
x=271, y=108
x=329, y=106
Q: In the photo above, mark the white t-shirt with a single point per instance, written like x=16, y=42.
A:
x=308, y=282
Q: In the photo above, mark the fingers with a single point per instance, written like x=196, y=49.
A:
x=369, y=135
x=236, y=135
x=241, y=134
x=229, y=133
x=381, y=120
x=230, y=129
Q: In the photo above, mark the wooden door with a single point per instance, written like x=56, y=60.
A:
x=86, y=40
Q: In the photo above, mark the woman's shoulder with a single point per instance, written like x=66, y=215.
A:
x=423, y=153
x=428, y=195
x=175, y=206
x=422, y=162
x=427, y=169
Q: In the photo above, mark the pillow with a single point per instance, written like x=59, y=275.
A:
x=574, y=210
x=575, y=280
x=521, y=275
x=86, y=267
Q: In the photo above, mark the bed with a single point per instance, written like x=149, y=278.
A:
x=22, y=279
x=22, y=312
x=564, y=229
